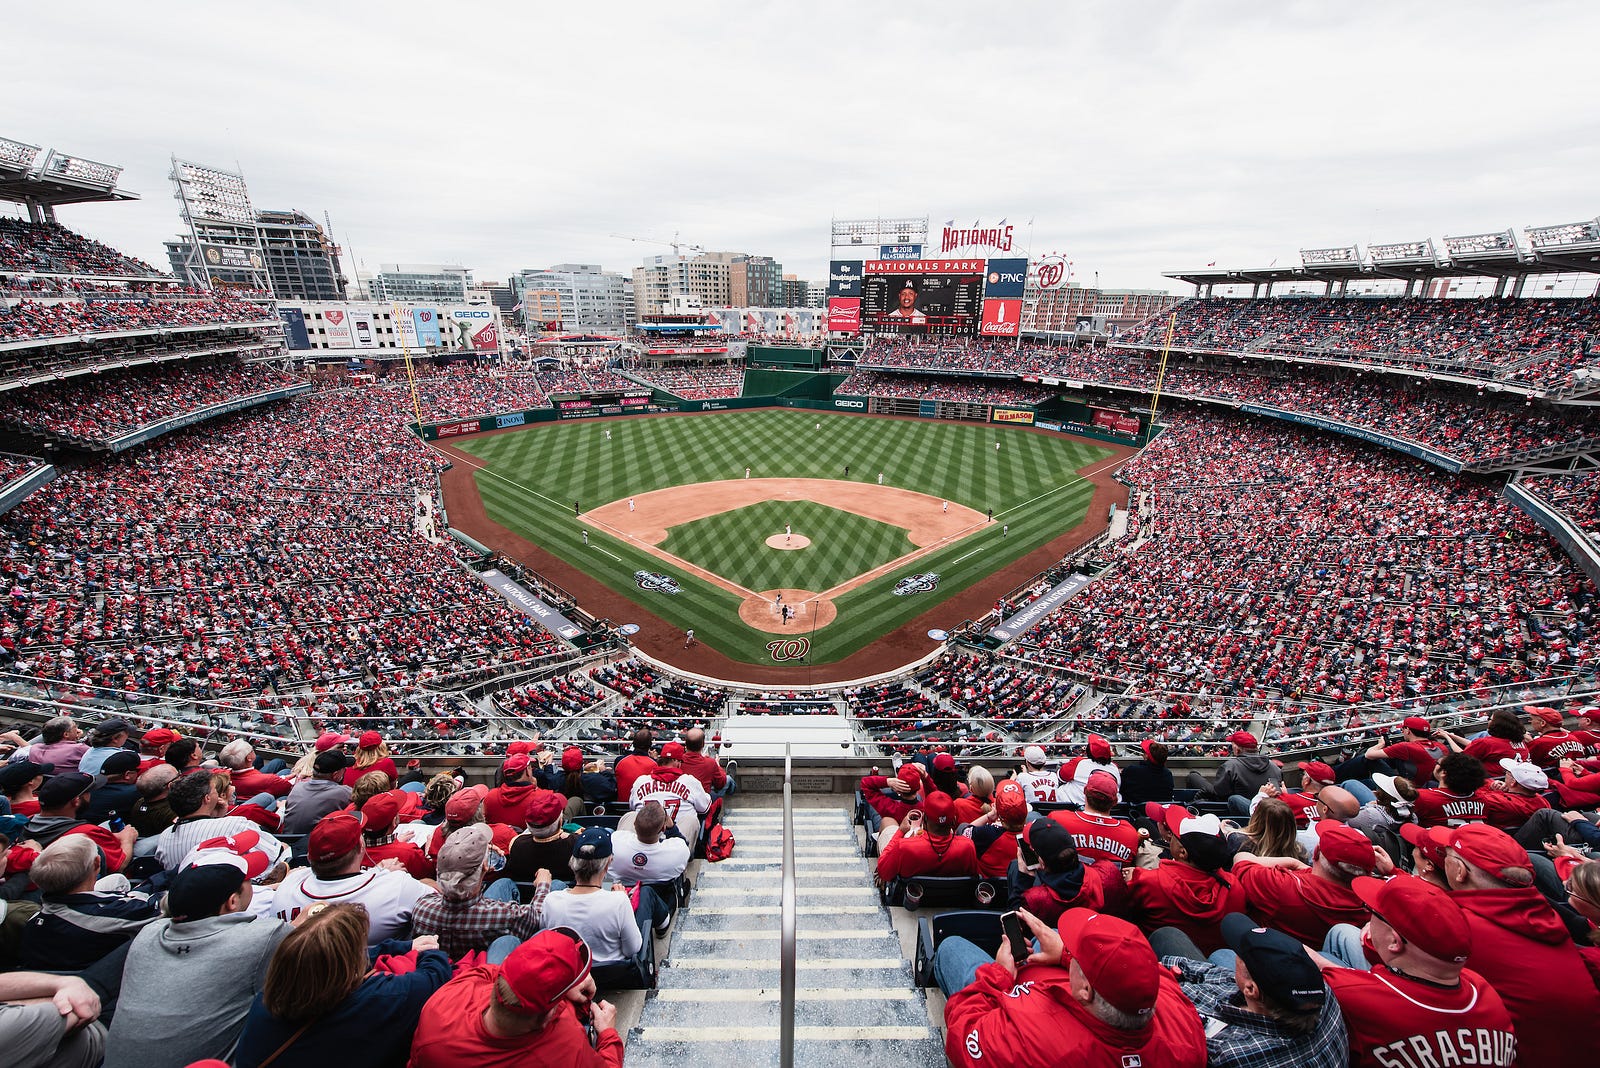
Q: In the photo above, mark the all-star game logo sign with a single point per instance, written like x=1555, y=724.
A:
x=786, y=649
x=651, y=580
x=923, y=583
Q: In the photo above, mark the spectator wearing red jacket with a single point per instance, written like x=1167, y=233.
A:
x=153, y=747
x=905, y=787
x=1459, y=800
x=1093, y=995
x=1520, y=944
x=1097, y=834
x=926, y=843
x=1414, y=756
x=239, y=758
x=994, y=833
x=637, y=763
x=695, y=762
x=372, y=754
x=1419, y=1005
x=1306, y=902
x=508, y=802
x=378, y=818
x=1510, y=802
x=1189, y=891
x=978, y=800
x=1505, y=737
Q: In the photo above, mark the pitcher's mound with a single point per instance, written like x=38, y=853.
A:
x=788, y=541
x=811, y=610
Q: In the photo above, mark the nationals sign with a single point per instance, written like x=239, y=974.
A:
x=789, y=649
x=1052, y=272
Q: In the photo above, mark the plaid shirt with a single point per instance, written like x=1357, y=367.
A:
x=1236, y=1038
x=463, y=926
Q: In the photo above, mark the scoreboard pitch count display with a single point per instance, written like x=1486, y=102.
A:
x=941, y=297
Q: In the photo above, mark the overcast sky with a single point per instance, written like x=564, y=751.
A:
x=1139, y=137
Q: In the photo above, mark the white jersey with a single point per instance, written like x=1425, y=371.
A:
x=1071, y=791
x=178, y=841
x=389, y=897
x=1039, y=785
x=634, y=862
x=673, y=794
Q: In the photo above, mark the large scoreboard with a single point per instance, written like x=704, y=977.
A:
x=948, y=297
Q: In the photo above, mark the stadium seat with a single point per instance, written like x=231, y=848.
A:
x=979, y=927
x=940, y=891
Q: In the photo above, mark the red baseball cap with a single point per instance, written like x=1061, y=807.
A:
x=1114, y=957
x=910, y=774
x=1420, y=912
x=672, y=751
x=515, y=765
x=369, y=740
x=541, y=970
x=1144, y=747
x=939, y=812
x=545, y=807
x=1431, y=840
x=1549, y=715
x=1345, y=845
x=329, y=740
x=944, y=762
x=1101, y=784
x=463, y=804
x=1099, y=748
x=1316, y=769
x=160, y=736
x=1181, y=821
x=1418, y=724
x=572, y=758
x=1010, y=800
x=522, y=746
x=243, y=850
x=1244, y=740
x=335, y=834
x=380, y=813
x=1489, y=848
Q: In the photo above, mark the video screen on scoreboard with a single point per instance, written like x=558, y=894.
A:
x=922, y=297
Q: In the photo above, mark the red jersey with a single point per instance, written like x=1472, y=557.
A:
x=418, y=866
x=508, y=803
x=1033, y=1021
x=1394, y=1021
x=1298, y=903
x=628, y=770
x=1100, y=837
x=704, y=768
x=247, y=782
x=1423, y=758
x=1441, y=808
x=1182, y=896
x=927, y=854
x=968, y=808
x=1508, y=811
x=385, y=765
x=1491, y=750
x=1548, y=749
x=451, y=1033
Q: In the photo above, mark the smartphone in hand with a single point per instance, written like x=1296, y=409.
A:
x=1029, y=856
x=1011, y=925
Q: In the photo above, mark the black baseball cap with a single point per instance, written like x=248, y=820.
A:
x=107, y=727
x=1053, y=843
x=1281, y=967
x=18, y=772
x=330, y=760
x=123, y=760
x=199, y=892
x=60, y=789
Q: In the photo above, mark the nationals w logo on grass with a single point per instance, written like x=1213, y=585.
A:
x=653, y=580
x=789, y=649
x=923, y=583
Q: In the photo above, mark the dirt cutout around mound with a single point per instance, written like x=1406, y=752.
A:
x=788, y=542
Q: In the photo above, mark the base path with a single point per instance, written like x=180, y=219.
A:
x=926, y=519
x=663, y=640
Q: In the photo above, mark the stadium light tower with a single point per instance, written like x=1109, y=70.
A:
x=224, y=239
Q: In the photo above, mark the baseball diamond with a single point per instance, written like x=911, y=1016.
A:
x=667, y=495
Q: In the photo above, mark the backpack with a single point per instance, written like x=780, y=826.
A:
x=719, y=844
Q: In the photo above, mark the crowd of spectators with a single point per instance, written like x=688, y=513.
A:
x=1280, y=561
x=576, y=378
x=463, y=389
x=13, y=466
x=1577, y=495
x=48, y=248
x=57, y=360
x=863, y=383
x=696, y=383
x=267, y=551
x=1541, y=343
x=26, y=320
x=95, y=409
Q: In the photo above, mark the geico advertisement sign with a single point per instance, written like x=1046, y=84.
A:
x=849, y=404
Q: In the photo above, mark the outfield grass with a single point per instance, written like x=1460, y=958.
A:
x=535, y=475
x=733, y=545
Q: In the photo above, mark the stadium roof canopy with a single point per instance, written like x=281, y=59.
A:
x=1567, y=248
x=55, y=178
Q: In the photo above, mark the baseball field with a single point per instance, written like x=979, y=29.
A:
x=756, y=527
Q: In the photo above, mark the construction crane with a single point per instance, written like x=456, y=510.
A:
x=677, y=246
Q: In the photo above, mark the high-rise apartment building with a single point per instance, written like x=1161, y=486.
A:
x=420, y=282
x=581, y=296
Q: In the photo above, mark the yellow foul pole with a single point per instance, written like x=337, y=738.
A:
x=411, y=375
x=1161, y=373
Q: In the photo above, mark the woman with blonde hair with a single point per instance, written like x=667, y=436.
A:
x=372, y=754
x=1270, y=833
x=322, y=1002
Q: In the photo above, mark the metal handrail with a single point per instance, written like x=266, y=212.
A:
x=787, y=951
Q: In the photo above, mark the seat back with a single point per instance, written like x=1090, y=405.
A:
x=979, y=927
x=609, y=821
x=940, y=891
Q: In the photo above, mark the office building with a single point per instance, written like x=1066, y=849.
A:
x=301, y=259
x=423, y=282
x=582, y=297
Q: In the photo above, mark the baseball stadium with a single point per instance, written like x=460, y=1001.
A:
x=1194, y=664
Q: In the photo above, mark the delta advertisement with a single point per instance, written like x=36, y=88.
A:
x=295, y=334
x=336, y=324
x=426, y=326
x=473, y=330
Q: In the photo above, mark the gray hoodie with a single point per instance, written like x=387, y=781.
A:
x=186, y=988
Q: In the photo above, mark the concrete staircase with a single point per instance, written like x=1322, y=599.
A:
x=718, y=998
